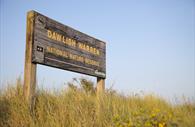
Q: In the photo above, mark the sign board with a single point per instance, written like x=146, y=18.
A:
x=60, y=46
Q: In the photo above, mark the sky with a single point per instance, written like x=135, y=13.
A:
x=150, y=45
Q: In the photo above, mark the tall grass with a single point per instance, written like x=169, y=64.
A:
x=81, y=107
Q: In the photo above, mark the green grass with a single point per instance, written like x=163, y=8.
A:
x=81, y=107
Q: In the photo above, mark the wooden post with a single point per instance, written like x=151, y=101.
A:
x=100, y=85
x=100, y=92
x=30, y=68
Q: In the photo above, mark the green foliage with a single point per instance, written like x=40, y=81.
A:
x=81, y=107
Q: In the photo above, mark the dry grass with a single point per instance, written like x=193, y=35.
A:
x=80, y=107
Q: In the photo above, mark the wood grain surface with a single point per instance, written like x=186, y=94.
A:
x=61, y=46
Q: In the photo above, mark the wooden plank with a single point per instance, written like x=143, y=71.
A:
x=30, y=68
x=61, y=46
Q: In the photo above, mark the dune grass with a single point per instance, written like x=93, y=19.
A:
x=81, y=107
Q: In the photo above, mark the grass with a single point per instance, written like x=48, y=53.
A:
x=81, y=107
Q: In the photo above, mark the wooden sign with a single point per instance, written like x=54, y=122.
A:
x=51, y=43
x=58, y=45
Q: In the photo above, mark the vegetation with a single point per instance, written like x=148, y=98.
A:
x=81, y=107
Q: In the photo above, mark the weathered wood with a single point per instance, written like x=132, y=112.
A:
x=48, y=34
x=100, y=85
x=30, y=68
x=51, y=43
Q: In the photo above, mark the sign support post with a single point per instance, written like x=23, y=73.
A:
x=30, y=68
x=100, y=85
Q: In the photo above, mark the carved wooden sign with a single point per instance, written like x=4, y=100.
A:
x=60, y=46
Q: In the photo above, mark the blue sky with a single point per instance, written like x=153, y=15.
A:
x=150, y=44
